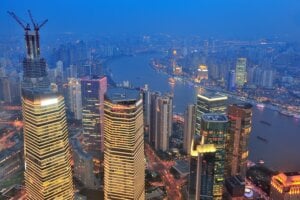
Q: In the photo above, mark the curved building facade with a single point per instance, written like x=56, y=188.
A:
x=124, y=163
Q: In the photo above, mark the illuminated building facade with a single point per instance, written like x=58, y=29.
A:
x=147, y=109
x=161, y=121
x=209, y=102
x=124, y=165
x=11, y=161
x=240, y=72
x=202, y=73
x=207, y=175
x=75, y=99
x=240, y=117
x=83, y=166
x=285, y=186
x=189, y=128
x=48, y=173
x=92, y=91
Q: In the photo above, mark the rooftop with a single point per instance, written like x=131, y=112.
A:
x=214, y=117
x=182, y=167
x=212, y=96
x=244, y=105
x=235, y=181
x=288, y=179
x=118, y=95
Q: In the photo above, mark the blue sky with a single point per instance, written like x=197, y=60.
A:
x=207, y=18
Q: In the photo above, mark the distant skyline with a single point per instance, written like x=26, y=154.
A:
x=231, y=19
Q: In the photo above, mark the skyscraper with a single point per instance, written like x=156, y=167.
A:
x=75, y=99
x=240, y=72
x=124, y=165
x=285, y=186
x=202, y=73
x=153, y=118
x=207, y=171
x=147, y=109
x=231, y=81
x=209, y=102
x=161, y=124
x=189, y=128
x=267, y=78
x=240, y=117
x=48, y=172
x=92, y=91
x=5, y=87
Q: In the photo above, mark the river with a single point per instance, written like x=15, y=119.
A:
x=281, y=152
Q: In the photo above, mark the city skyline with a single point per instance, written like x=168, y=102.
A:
x=145, y=114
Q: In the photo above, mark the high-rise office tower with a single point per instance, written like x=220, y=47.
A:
x=209, y=102
x=161, y=121
x=147, y=109
x=92, y=91
x=124, y=165
x=5, y=87
x=83, y=166
x=189, y=127
x=240, y=72
x=267, y=78
x=202, y=73
x=285, y=186
x=207, y=170
x=240, y=117
x=153, y=118
x=231, y=81
x=48, y=173
x=74, y=97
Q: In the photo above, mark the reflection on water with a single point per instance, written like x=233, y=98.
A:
x=283, y=135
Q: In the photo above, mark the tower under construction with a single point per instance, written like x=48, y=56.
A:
x=47, y=155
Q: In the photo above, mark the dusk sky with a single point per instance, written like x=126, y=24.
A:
x=206, y=18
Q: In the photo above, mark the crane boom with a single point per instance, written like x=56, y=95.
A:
x=27, y=27
x=43, y=23
x=31, y=18
x=36, y=25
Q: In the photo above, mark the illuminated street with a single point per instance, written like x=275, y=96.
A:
x=173, y=185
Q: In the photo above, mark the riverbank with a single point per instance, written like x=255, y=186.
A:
x=185, y=79
x=279, y=154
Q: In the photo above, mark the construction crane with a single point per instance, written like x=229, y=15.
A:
x=32, y=38
x=36, y=26
x=26, y=28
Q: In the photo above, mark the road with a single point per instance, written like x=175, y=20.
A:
x=257, y=190
x=173, y=186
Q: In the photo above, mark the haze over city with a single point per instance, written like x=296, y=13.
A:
x=140, y=99
x=232, y=19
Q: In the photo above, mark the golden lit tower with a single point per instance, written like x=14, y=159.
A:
x=48, y=172
x=285, y=186
x=124, y=165
x=240, y=72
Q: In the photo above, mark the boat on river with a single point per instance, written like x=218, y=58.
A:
x=262, y=139
x=265, y=122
